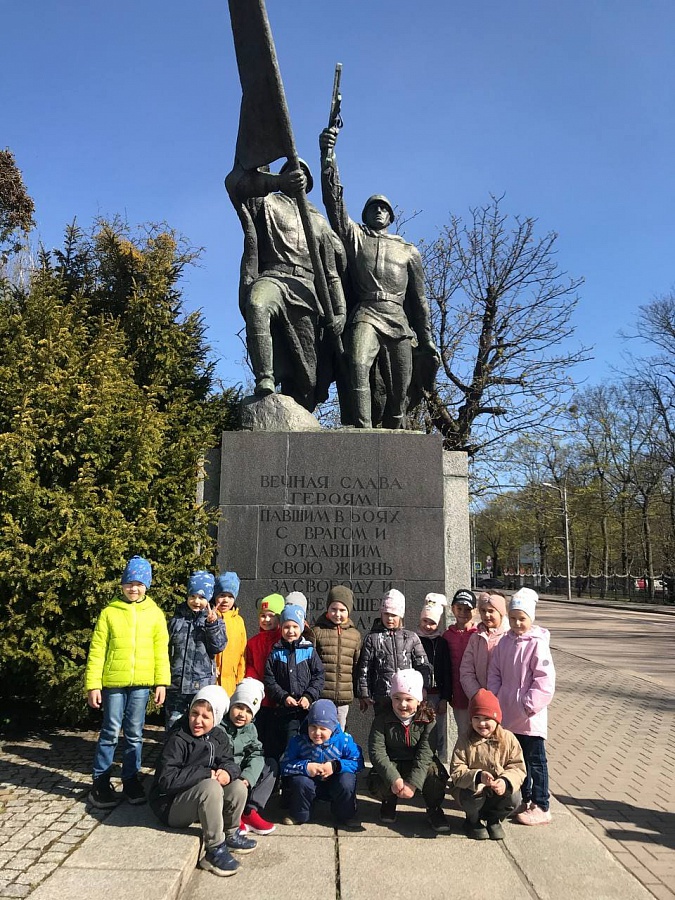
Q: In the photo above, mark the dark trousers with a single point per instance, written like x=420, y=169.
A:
x=340, y=789
x=433, y=789
x=276, y=726
x=487, y=805
x=261, y=791
x=535, y=786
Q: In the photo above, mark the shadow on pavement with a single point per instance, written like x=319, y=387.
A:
x=654, y=826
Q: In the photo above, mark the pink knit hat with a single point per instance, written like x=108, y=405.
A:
x=408, y=681
x=487, y=599
x=393, y=602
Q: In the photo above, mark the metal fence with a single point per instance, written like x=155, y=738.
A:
x=612, y=587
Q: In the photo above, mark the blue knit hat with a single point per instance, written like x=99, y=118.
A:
x=324, y=713
x=227, y=583
x=293, y=613
x=201, y=583
x=137, y=569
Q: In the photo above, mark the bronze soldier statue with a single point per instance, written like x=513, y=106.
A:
x=277, y=296
x=390, y=310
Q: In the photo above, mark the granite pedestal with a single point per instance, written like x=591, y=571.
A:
x=307, y=510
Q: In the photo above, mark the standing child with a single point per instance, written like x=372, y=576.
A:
x=522, y=676
x=294, y=677
x=128, y=654
x=388, y=647
x=258, y=774
x=231, y=663
x=257, y=650
x=494, y=624
x=196, y=636
x=321, y=762
x=338, y=643
x=487, y=769
x=402, y=748
x=297, y=598
x=198, y=779
x=457, y=637
x=431, y=634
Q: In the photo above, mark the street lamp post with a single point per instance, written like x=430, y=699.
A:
x=563, y=497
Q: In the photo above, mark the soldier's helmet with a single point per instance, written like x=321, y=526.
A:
x=378, y=198
x=303, y=165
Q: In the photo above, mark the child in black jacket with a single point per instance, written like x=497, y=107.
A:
x=198, y=779
x=294, y=677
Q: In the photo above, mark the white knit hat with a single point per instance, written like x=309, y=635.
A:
x=297, y=598
x=525, y=599
x=408, y=681
x=393, y=602
x=434, y=604
x=217, y=699
x=249, y=692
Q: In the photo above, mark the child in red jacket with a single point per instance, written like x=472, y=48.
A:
x=457, y=637
x=257, y=650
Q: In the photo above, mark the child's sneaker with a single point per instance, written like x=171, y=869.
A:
x=103, y=795
x=438, y=820
x=388, y=810
x=133, y=791
x=239, y=843
x=254, y=822
x=521, y=808
x=476, y=830
x=495, y=831
x=219, y=861
x=534, y=816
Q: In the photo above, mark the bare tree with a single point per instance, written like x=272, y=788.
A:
x=502, y=315
x=16, y=207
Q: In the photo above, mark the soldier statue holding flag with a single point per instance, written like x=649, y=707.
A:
x=285, y=321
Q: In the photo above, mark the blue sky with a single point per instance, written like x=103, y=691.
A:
x=131, y=108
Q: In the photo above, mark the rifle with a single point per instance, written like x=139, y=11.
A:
x=335, y=115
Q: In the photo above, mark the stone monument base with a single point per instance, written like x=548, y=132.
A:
x=368, y=509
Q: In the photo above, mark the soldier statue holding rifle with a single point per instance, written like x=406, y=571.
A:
x=390, y=311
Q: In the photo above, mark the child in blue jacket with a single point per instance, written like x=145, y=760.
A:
x=321, y=763
x=196, y=636
x=294, y=678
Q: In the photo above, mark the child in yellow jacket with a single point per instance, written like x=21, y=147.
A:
x=128, y=654
x=231, y=663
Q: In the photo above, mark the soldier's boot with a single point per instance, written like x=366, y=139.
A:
x=362, y=408
x=260, y=350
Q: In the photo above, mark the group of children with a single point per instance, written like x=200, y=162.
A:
x=298, y=683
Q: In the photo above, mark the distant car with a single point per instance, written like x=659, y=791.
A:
x=659, y=585
x=485, y=581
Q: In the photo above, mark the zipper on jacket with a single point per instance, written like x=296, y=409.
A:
x=132, y=678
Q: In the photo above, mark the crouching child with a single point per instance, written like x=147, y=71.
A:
x=402, y=747
x=198, y=779
x=257, y=773
x=487, y=769
x=321, y=763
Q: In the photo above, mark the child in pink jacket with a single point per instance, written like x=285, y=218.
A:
x=494, y=623
x=522, y=676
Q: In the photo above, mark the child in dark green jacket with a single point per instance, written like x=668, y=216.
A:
x=258, y=774
x=402, y=748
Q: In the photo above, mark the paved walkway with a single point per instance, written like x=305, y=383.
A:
x=611, y=759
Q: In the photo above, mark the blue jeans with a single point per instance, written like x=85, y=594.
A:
x=123, y=709
x=340, y=789
x=535, y=786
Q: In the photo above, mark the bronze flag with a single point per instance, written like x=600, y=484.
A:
x=264, y=127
